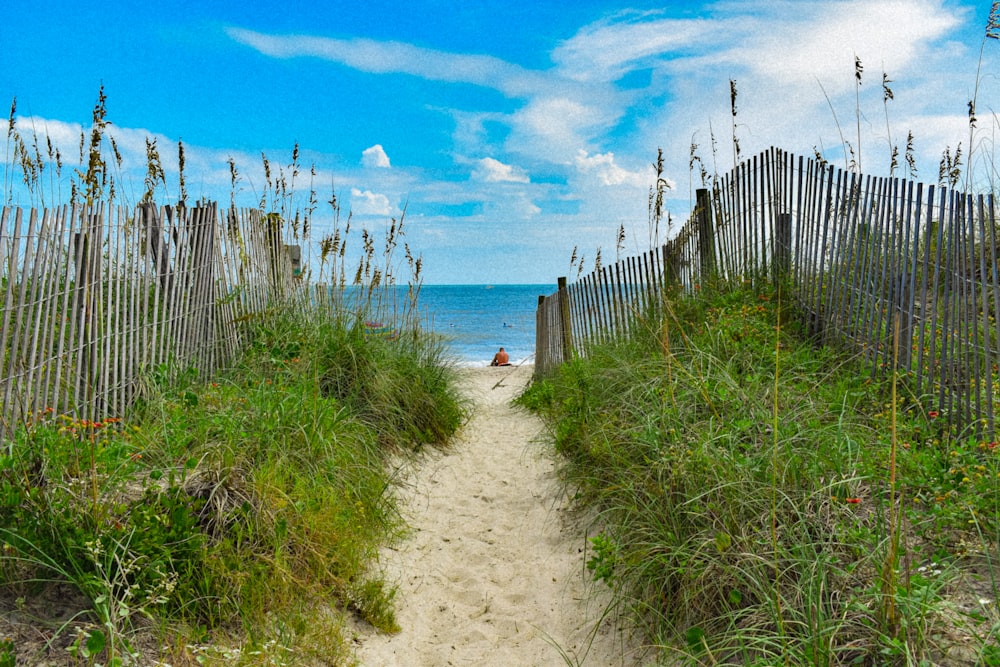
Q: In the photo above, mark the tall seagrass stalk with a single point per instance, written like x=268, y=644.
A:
x=665, y=345
x=732, y=108
x=8, y=184
x=774, y=487
x=992, y=32
x=858, y=71
x=887, y=95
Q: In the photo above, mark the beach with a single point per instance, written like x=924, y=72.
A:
x=493, y=570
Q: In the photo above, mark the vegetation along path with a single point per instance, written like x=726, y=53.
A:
x=493, y=571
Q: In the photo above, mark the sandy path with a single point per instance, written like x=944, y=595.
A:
x=493, y=572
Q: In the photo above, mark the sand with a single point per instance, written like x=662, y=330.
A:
x=493, y=571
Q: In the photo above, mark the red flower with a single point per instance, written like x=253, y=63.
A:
x=853, y=501
x=932, y=414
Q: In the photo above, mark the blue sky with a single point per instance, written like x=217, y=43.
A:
x=510, y=131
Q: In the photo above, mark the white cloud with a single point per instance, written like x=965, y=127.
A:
x=366, y=202
x=375, y=156
x=793, y=62
x=493, y=171
x=130, y=142
x=553, y=128
x=206, y=170
x=368, y=55
x=819, y=41
x=529, y=209
x=477, y=131
x=603, y=166
x=608, y=49
x=65, y=136
x=511, y=210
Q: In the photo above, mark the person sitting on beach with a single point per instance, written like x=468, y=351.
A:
x=501, y=358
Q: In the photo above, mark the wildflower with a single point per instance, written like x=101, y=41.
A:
x=932, y=414
x=853, y=501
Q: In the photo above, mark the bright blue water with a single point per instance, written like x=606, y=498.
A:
x=476, y=320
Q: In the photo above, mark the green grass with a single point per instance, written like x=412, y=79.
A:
x=231, y=512
x=763, y=503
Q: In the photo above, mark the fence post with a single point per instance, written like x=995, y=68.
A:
x=541, y=338
x=567, y=337
x=706, y=234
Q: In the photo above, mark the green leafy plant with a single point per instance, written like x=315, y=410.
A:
x=602, y=563
x=8, y=656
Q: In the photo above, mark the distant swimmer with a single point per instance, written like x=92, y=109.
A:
x=501, y=358
x=508, y=326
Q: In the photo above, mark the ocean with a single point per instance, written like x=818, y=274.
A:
x=476, y=320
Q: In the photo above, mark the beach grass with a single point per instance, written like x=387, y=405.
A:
x=235, y=519
x=763, y=502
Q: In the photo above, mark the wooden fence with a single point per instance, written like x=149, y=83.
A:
x=93, y=300
x=869, y=261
